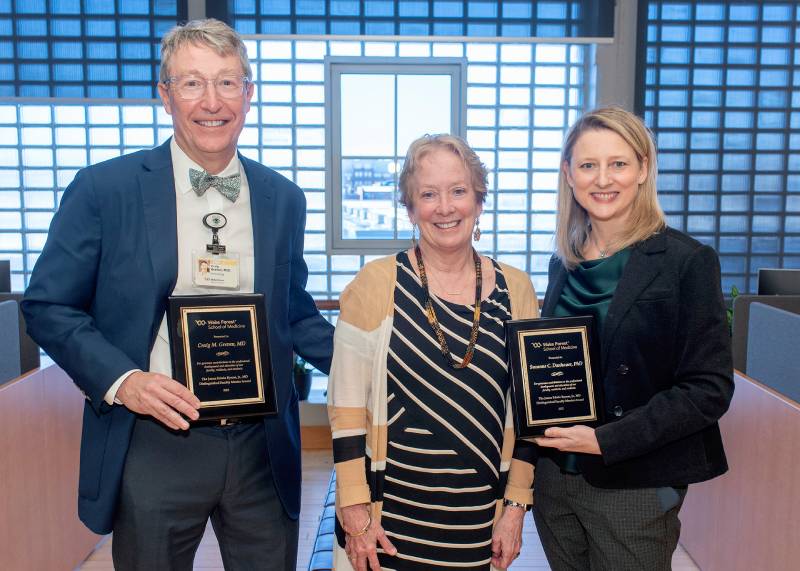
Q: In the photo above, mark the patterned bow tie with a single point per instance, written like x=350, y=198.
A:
x=228, y=186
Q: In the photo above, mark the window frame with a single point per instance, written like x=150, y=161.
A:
x=335, y=67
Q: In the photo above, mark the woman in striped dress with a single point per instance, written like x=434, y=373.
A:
x=418, y=394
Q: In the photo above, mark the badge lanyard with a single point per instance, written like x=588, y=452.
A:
x=216, y=268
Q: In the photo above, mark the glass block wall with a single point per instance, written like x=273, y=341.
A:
x=83, y=48
x=520, y=99
x=505, y=83
x=42, y=146
x=720, y=87
x=501, y=18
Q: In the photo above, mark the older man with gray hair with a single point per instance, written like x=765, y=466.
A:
x=125, y=238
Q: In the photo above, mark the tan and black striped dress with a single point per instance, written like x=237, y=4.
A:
x=445, y=430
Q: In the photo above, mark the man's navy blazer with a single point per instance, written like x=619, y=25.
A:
x=99, y=291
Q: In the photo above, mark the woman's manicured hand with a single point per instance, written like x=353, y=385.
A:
x=572, y=439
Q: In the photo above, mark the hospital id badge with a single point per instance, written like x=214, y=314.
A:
x=216, y=270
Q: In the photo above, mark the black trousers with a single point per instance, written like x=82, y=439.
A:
x=585, y=528
x=174, y=482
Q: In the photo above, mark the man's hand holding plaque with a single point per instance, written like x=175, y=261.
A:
x=161, y=397
x=555, y=382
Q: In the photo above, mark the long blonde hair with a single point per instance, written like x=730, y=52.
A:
x=572, y=220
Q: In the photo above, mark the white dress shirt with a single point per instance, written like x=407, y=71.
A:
x=236, y=236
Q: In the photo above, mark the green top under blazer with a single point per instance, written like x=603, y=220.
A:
x=590, y=287
x=588, y=291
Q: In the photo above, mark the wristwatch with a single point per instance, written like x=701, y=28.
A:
x=512, y=503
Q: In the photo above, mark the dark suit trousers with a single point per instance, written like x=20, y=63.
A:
x=586, y=528
x=174, y=482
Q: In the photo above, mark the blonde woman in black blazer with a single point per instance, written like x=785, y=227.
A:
x=608, y=498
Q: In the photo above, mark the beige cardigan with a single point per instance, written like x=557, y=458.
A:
x=357, y=385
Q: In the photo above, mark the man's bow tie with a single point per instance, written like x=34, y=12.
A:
x=228, y=186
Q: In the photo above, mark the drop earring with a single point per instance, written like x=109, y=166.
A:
x=476, y=234
x=414, y=234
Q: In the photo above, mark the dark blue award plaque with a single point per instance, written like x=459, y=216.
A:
x=555, y=378
x=220, y=351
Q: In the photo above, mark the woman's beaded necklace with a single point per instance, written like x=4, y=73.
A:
x=476, y=319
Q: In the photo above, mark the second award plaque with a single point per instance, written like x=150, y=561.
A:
x=554, y=377
x=220, y=351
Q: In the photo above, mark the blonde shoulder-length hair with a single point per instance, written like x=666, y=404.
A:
x=572, y=221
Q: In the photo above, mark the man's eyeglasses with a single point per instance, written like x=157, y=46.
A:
x=193, y=87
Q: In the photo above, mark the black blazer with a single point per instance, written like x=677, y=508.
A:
x=666, y=367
